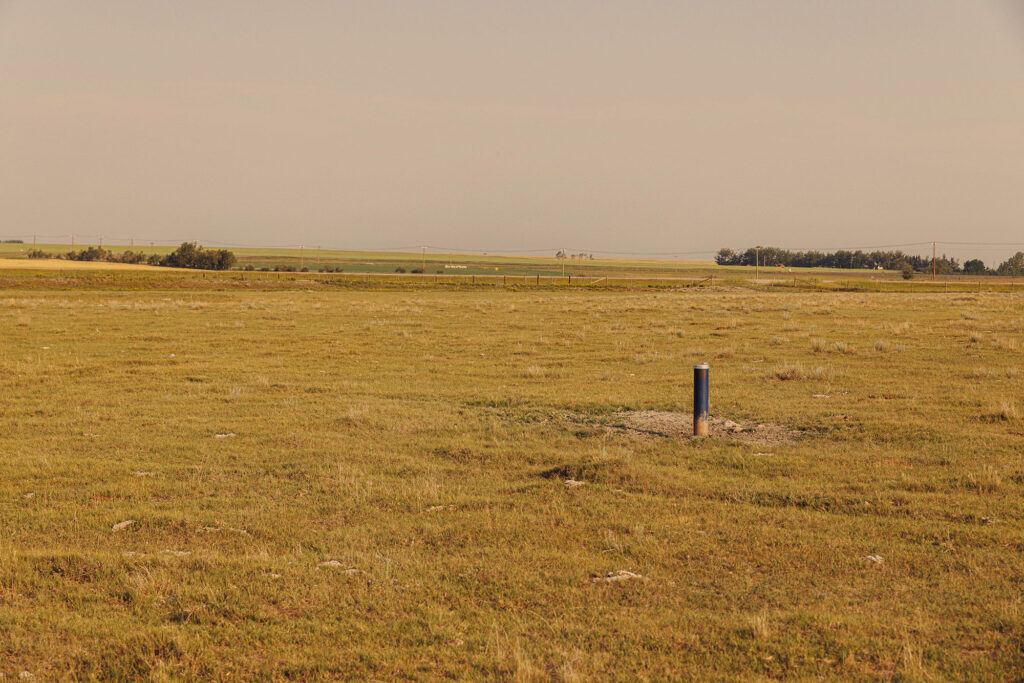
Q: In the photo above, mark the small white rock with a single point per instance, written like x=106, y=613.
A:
x=335, y=564
x=224, y=436
x=877, y=559
x=122, y=525
x=612, y=577
x=573, y=483
x=144, y=474
x=29, y=496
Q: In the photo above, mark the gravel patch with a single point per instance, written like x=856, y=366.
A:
x=668, y=424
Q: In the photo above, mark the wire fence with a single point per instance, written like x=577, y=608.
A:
x=377, y=280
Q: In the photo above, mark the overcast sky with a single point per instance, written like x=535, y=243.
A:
x=645, y=126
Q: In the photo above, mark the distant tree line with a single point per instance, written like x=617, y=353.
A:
x=188, y=255
x=888, y=260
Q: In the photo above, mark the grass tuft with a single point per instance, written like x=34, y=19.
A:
x=985, y=480
x=796, y=371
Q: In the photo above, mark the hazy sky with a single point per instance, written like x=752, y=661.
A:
x=643, y=126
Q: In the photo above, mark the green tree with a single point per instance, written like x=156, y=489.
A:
x=1013, y=266
x=726, y=257
x=975, y=266
x=191, y=255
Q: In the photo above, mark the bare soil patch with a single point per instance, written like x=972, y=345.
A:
x=668, y=424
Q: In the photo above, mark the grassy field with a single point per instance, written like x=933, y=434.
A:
x=466, y=264
x=290, y=483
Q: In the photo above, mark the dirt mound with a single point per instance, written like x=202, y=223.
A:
x=676, y=425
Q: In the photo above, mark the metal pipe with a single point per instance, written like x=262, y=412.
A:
x=700, y=399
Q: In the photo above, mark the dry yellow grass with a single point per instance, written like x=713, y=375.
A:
x=367, y=484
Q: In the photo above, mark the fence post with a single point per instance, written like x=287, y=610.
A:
x=700, y=399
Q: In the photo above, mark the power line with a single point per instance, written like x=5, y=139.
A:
x=79, y=238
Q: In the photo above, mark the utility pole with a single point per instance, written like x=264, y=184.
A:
x=424, y=266
x=933, y=260
x=563, y=262
x=33, y=240
x=757, y=263
x=72, y=239
x=318, y=254
x=302, y=257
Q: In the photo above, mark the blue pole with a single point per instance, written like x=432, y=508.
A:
x=700, y=399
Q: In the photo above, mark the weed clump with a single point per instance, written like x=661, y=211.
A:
x=795, y=371
x=985, y=480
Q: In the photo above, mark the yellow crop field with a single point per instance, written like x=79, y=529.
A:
x=63, y=264
x=220, y=482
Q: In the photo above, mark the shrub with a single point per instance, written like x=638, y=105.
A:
x=191, y=255
x=250, y=267
x=908, y=273
x=90, y=254
x=131, y=257
x=399, y=269
x=418, y=271
x=304, y=269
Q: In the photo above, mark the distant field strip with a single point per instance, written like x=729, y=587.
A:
x=62, y=274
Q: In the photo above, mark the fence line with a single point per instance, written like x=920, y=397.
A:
x=604, y=282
